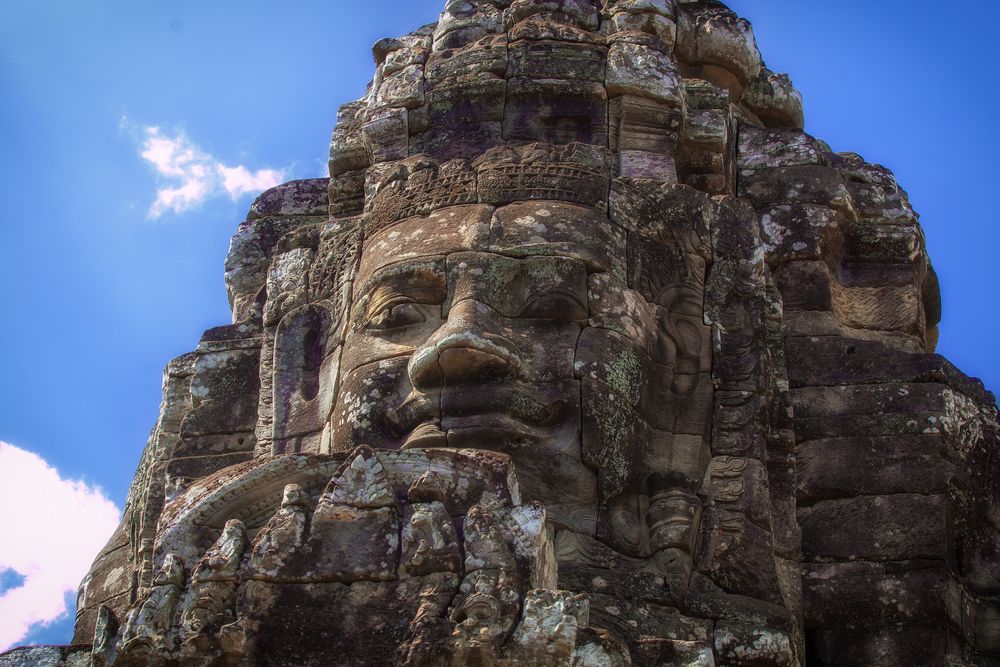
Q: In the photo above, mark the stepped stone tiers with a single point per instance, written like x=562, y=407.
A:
x=585, y=354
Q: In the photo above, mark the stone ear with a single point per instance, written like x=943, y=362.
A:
x=305, y=370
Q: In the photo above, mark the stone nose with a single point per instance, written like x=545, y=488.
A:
x=468, y=349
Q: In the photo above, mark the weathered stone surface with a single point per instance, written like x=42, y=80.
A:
x=918, y=644
x=350, y=544
x=738, y=556
x=558, y=111
x=836, y=360
x=870, y=410
x=47, y=656
x=870, y=593
x=708, y=33
x=643, y=71
x=800, y=232
x=224, y=390
x=538, y=59
x=585, y=354
x=806, y=184
x=867, y=466
x=896, y=527
x=305, y=197
x=749, y=645
x=775, y=100
x=767, y=149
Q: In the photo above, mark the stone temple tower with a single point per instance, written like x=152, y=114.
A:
x=585, y=354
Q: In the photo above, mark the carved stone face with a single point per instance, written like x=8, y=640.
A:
x=514, y=329
x=457, y=341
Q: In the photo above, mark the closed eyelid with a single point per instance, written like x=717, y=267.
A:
x=557, y=292
x=388, y=296
x=396, y=315
x=421, y=283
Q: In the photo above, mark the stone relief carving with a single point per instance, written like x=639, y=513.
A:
x=585, y=354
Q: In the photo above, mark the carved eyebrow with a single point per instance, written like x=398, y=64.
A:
x=423, y=280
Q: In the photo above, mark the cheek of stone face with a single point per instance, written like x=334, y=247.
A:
x=368, y=400
x=547, y=351
x=615, y=307
x=363, y=346
x=647, y=399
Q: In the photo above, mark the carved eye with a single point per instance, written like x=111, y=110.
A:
x=395, y=316
x=560, y=306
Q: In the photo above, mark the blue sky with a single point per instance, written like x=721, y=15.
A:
x=99, y=295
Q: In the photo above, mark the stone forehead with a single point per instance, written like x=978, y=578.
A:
x=523, y=229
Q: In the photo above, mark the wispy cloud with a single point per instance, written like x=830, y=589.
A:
x=52, y=529
x=240, y=180
x=188, y=175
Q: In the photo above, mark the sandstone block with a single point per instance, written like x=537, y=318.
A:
x=636, y=69
x=710, y=34
x=808, y=184
x=738, y=556
x=347, y=544
x=224, y=389
x=737, y=644
x=557, y=60
x=855, y=466
x=775, y=100
x=386, y=135
x=805, y=285
x=831, y=360
x=803, y=232
x=898, y=527
x=557, y=111
x=864, y=593
x=582, y=13
x=761, y=148
x=917, y=644
x=303, y=197
x=402, y=89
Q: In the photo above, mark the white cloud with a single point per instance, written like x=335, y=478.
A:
x=189, y=176
x=240, y=180
x=52, y=529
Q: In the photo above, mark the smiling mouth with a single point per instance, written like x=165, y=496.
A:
x=424, y=421
x=426, y=436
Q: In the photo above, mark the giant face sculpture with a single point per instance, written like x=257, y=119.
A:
x=541, y=329
x=534, y=218
x=454, y=342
